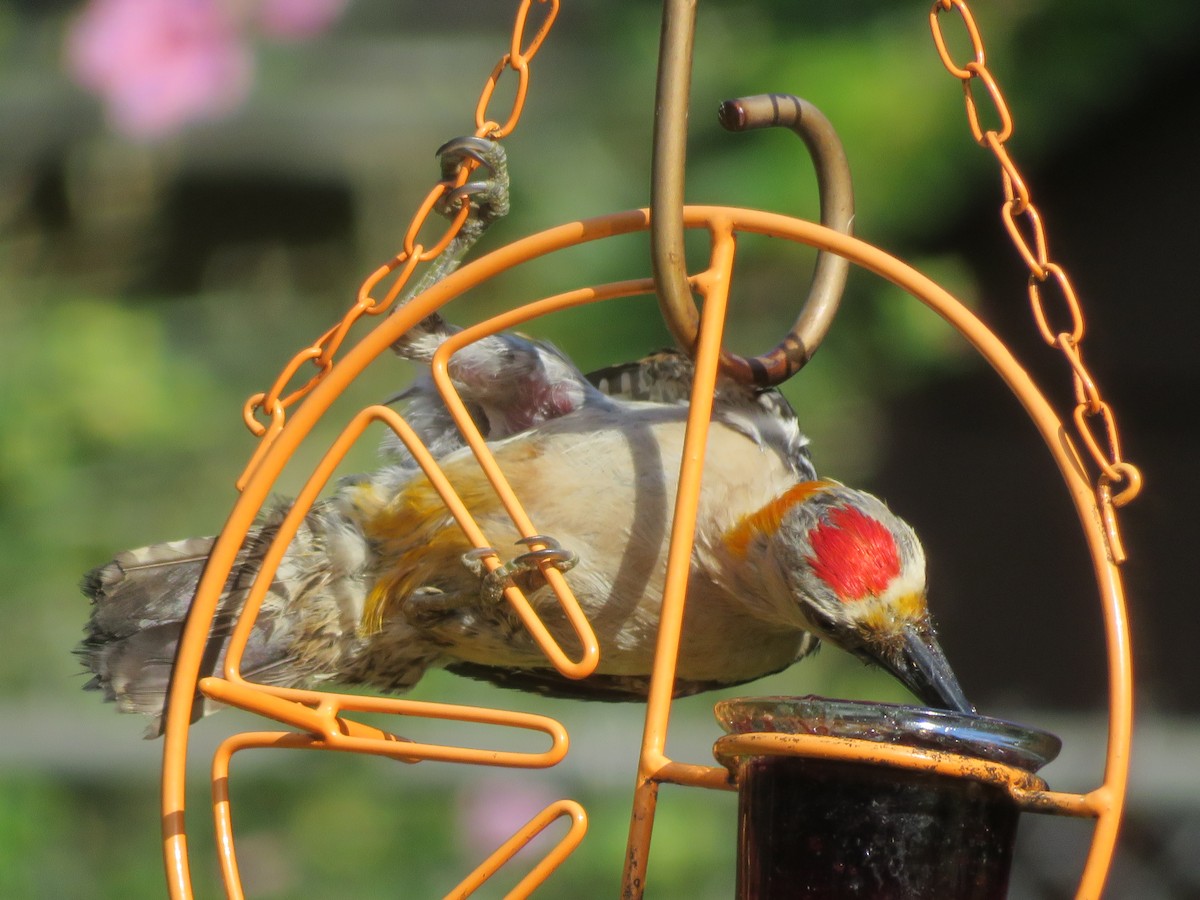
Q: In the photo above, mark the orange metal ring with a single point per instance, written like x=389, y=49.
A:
x=1104, y=803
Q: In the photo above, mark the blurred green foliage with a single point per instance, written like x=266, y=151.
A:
x=121, y=406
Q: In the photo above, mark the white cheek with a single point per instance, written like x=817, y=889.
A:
x=908, y=582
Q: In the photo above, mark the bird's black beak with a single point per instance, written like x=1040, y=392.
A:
x=921, y=666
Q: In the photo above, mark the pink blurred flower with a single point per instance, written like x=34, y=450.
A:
x=492, y=810
x=159, y=64
x=297, y=19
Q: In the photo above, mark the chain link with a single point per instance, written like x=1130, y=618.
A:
x=274, y=402
x=1118, y=481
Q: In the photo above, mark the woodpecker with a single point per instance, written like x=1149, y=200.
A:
x=380, y=584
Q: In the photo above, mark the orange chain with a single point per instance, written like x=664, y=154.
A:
x=1024, y=225
x=275, y=401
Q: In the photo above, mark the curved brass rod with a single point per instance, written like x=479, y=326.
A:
x=829, y=276
x=837, y=212
x=667, y=170
x=667, y=180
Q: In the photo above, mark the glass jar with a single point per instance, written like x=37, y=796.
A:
x=901, y=825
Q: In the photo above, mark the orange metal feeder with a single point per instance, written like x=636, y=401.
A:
x=320, y=720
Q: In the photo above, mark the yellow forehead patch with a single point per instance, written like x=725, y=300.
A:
x=884, y=616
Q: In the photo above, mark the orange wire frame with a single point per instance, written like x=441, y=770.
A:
x=320, y=720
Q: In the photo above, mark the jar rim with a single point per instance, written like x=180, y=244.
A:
x=980, y=737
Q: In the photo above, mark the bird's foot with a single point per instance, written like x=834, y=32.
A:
x=427, y=606
x=487, y=201
x=473, y=560
x=488, y=197
x=520, y=570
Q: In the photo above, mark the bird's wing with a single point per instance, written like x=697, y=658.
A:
x=762, y=414
x=511, y=383
x=664, y=376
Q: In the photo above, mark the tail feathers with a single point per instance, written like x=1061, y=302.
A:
x=135, y=671
x=144, y=586
x=139, y=603
x=305, y=630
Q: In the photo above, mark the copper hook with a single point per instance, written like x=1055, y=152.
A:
x=667, y=170
x=837, y=212
x=666, y=219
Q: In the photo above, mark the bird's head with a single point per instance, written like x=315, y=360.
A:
x=855, y=573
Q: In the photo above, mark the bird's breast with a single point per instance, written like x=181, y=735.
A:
x=604, y=487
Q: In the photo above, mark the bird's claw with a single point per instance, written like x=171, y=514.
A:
x=473, y=560
x=486, y=200
x=485, y=195
x=488, y=197
x=494, y=583
x=487, y=153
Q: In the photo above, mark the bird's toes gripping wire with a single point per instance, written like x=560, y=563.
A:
x=488, y=196
x=488, y=201
x=526, y=566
